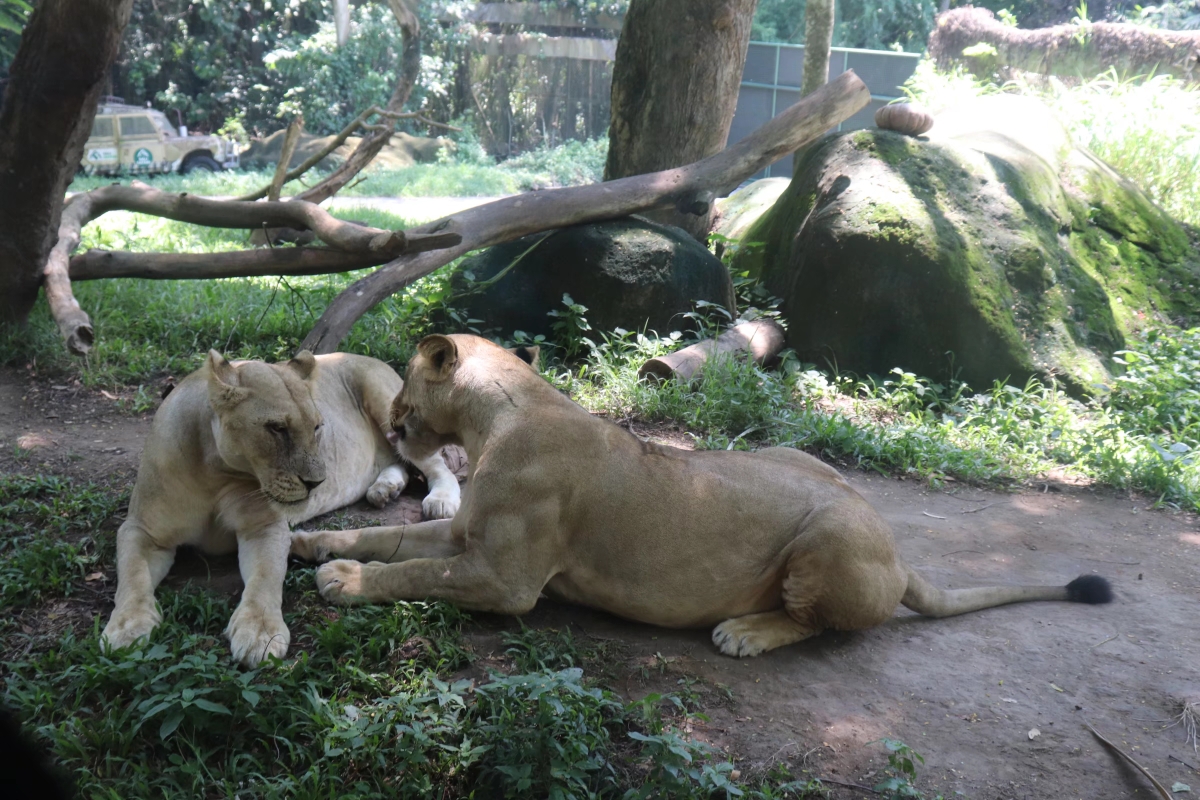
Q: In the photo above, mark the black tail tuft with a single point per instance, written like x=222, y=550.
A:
x=1090, y=589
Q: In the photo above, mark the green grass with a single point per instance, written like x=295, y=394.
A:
x=570, y=164
x=1147, y=129
x=1142, y=436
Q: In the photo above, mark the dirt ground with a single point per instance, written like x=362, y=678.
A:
x=995, y=701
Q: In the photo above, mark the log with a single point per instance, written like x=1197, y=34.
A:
x=1064, y=50
x=73, y=322
x=513, y=217
x=762, y=339
x=96, y=264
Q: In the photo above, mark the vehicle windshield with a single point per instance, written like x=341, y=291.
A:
x=163, y=125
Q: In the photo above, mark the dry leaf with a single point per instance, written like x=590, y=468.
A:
x=1055, y=688
x=95, y=576
x=109, y=395
x=1034, y=733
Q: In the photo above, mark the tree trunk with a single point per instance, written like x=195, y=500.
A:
x=818, y=38
x=1063, y=50
x=674, y=89
x=58, y=75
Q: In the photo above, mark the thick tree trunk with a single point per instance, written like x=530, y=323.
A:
x=818, y=38
x=674, y=89
x=57, y=77
x=1064, y=50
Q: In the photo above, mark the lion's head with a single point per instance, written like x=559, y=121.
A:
x=424, y=406
x=266, y=424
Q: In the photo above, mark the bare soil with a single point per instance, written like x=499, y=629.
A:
x=995, y=701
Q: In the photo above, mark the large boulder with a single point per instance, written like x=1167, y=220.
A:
x=630, y=273
x=992, y=250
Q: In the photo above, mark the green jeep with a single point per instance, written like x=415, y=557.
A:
x=127, y=138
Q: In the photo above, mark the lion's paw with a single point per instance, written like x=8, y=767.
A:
x=123, y=629
x=341, y=582
x=440, y=504
x=318, y=546
x=740, y=639
x=256, y=633
x=388, y=486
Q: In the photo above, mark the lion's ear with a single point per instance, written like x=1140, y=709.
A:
x=304, y=363
x=441, y=353
x=527, y=353
x=223, y=389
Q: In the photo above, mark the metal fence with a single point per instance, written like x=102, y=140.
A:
x=771, y=83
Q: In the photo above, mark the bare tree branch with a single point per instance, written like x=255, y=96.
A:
x=690, y=187
x=290, y=139
x=369, y=147
x=97, y=264
x=358, y=122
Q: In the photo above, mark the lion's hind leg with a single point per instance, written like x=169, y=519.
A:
x=758, y=633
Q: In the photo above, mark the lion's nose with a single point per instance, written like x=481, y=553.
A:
x=310, y=485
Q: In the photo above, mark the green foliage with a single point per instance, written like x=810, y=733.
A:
x=13, y=16
x=902, y=764
x=870, y=24
x=47, y=536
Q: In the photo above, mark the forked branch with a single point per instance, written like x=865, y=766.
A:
x=690, y=187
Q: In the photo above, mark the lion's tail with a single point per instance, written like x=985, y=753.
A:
x=924, y=598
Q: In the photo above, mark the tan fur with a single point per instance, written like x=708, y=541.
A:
x=770, y=547
x=237, y=453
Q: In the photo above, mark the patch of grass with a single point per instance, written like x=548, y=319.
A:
x=147, y=329
x=569, y=164
x=47, y=536
x=1142, y=436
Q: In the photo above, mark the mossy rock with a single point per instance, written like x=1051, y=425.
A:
x=994, y=250
x=630, y=273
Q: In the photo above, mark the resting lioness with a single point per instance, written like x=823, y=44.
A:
x=237, y=453
x=774, y=546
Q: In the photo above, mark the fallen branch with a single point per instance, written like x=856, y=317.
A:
x=345, y=236
x=290, y=139
x=690, y=187
x=73, y=322
x=96, y=264
x=1084, y=50
x=1162, y=790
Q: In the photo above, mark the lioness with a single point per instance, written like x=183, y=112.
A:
x=774, y=546
x=240, y=451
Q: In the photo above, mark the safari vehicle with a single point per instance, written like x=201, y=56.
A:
x=127, y=138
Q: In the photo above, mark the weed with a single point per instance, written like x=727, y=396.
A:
x=902, y=764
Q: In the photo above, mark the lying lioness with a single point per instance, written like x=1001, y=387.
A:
x=240, y=451
x=774, y=546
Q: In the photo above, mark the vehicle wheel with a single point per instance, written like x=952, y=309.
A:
x=203, y=163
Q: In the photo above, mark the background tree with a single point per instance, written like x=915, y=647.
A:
x=818, y=38
x=675, y=86
x=59, y=72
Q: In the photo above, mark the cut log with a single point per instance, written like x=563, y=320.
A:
x=1064, y=50
x=513, y=217
x=761, y=339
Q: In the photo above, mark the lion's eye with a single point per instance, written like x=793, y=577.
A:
x=276, y=427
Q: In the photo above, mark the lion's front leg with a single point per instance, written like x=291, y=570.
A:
x=256, y=630
x=389, y=543
x=444, y=496
x=503, y=570
x=141, y=566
